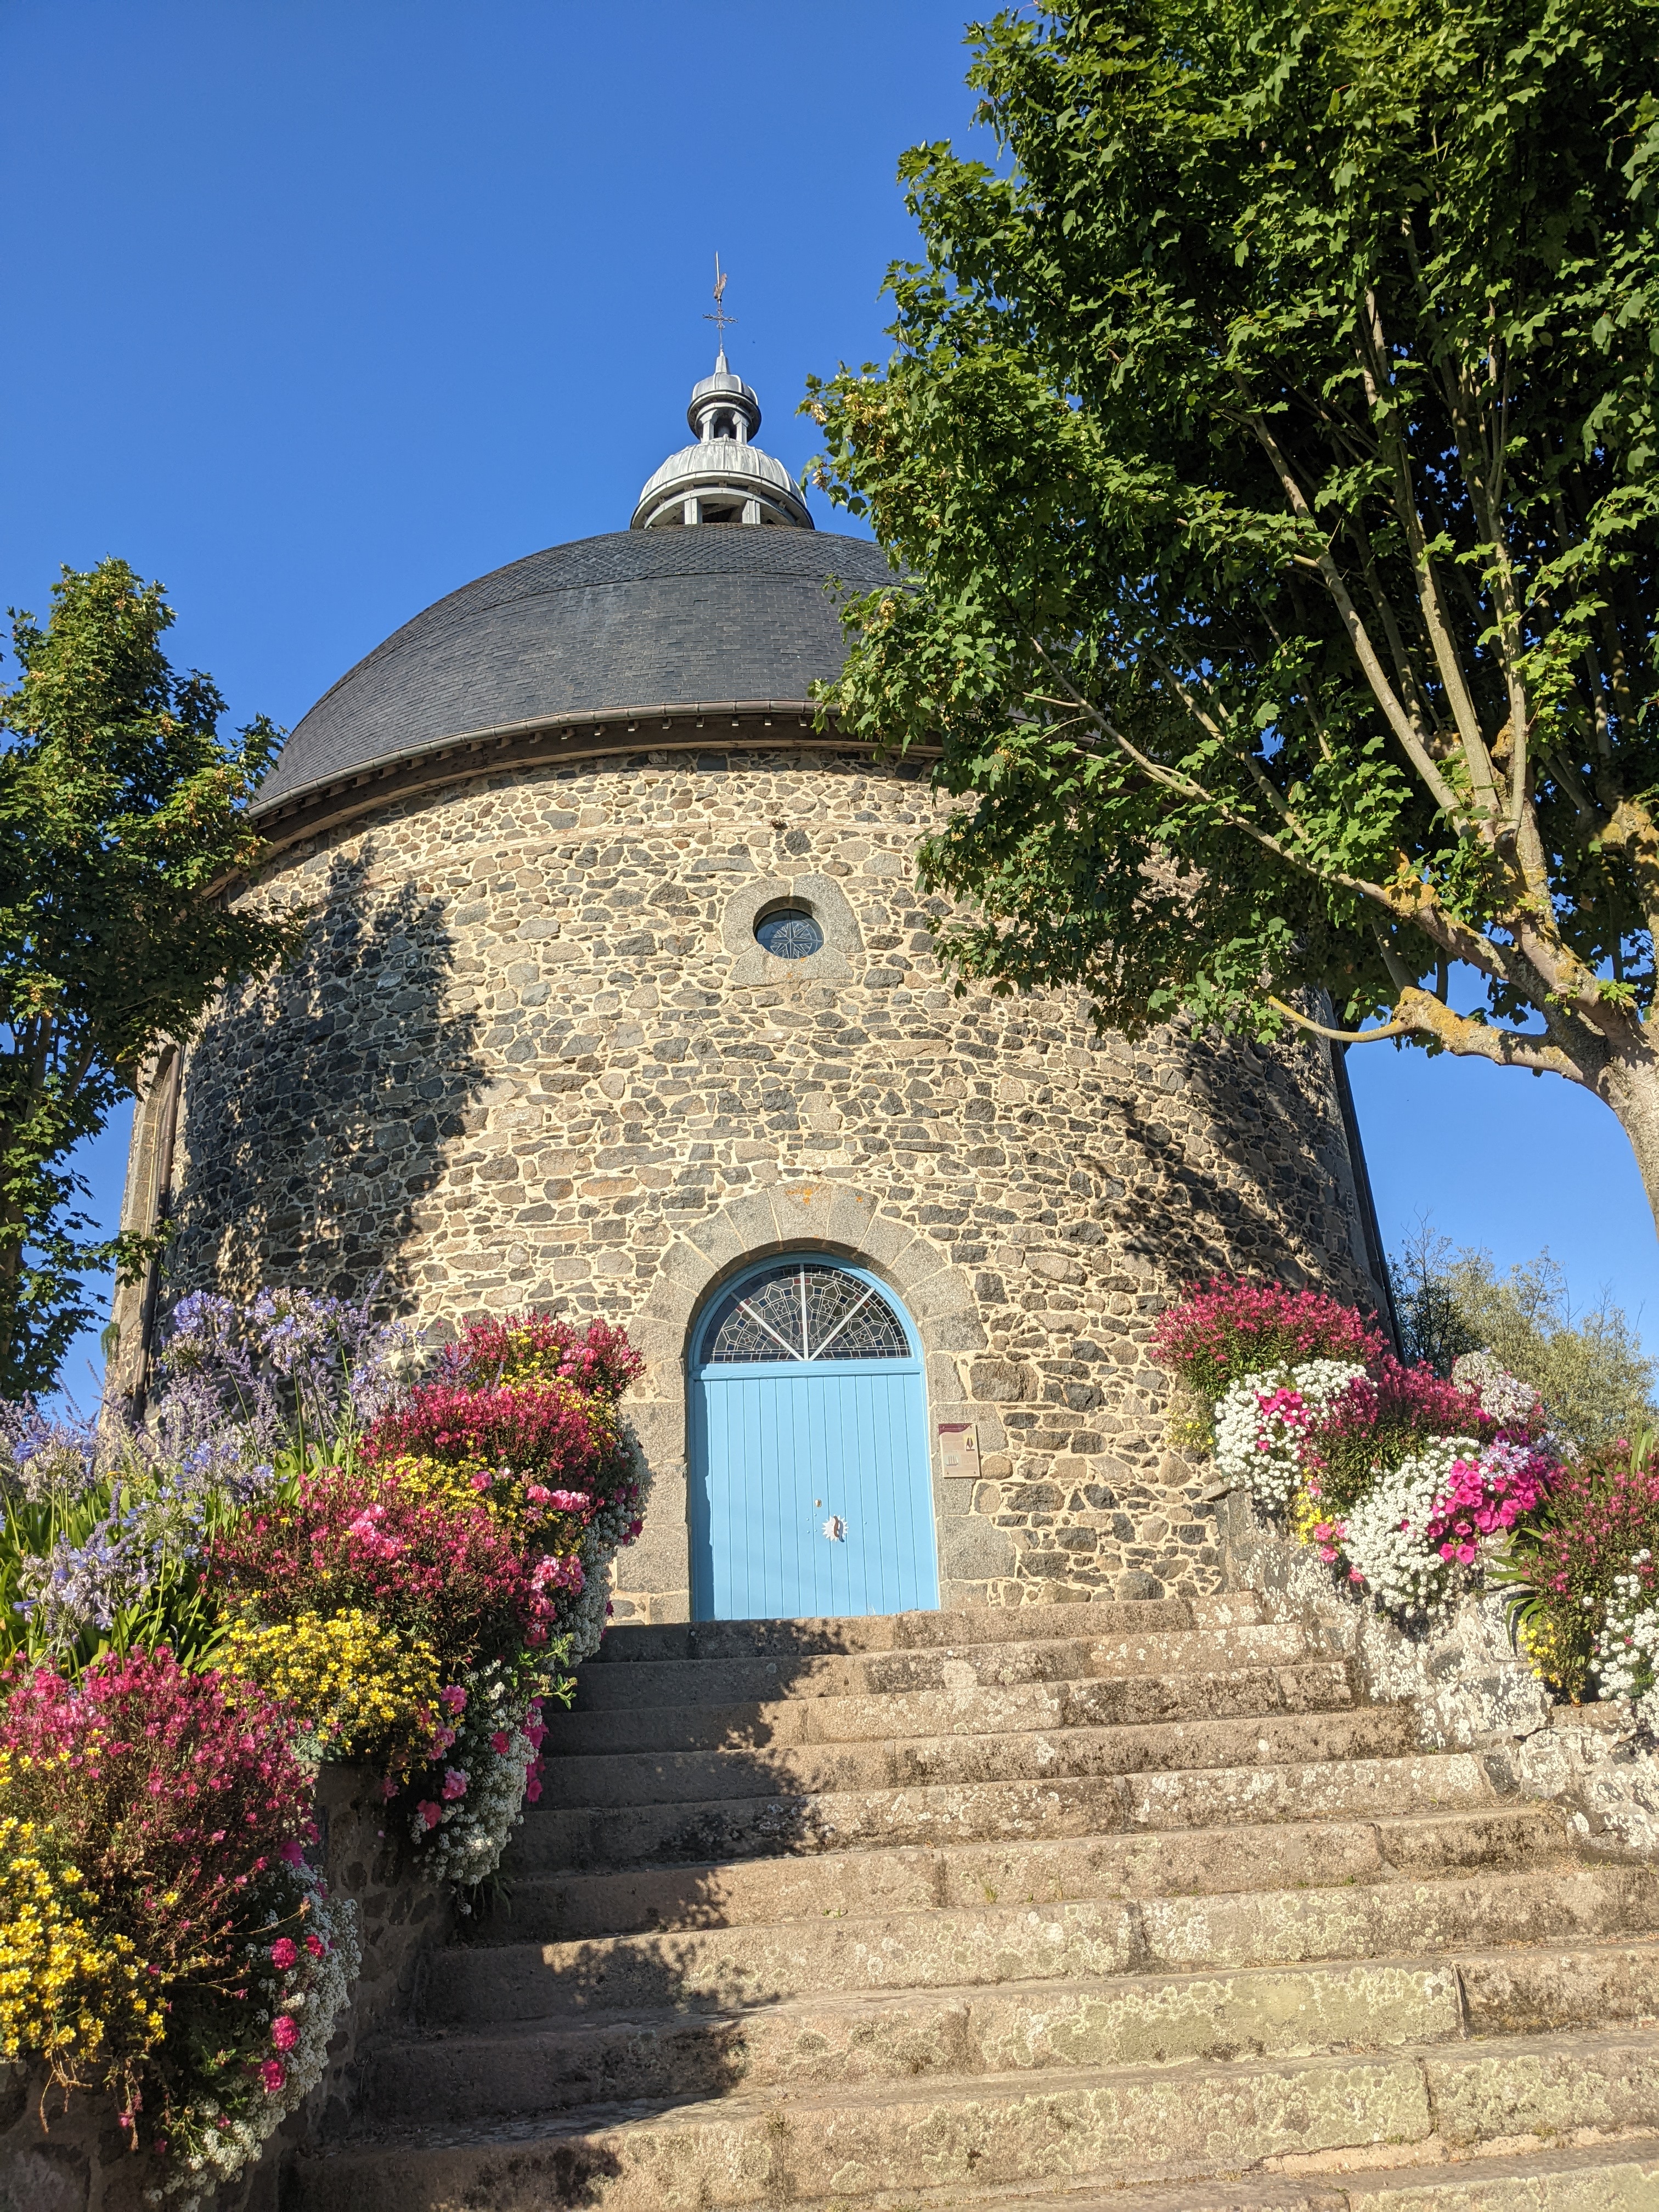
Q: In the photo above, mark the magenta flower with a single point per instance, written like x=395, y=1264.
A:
x=501, y=1743
x=452, y=1697
x=429, y=1813
x=282, y=1953
x=454, y=1782
x=284, y=2031
x=274, y=2074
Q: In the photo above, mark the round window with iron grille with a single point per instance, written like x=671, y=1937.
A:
x=789, y=933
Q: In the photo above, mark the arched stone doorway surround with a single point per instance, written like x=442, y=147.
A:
x=653, y=1574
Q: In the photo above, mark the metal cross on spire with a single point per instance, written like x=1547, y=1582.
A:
x=720, y=317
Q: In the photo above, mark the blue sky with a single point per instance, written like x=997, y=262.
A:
x=317, y=310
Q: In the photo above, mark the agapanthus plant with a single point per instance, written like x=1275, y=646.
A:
x=291, y=1367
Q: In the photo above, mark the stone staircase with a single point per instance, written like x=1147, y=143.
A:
x=1041, y=1910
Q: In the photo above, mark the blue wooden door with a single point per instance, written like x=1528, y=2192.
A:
x=809, y=1488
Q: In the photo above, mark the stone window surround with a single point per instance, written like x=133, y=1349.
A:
x=842, y=1223
x=824, y=899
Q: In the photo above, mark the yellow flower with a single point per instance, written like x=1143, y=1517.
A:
x=362, y=1690
x=69, y=1993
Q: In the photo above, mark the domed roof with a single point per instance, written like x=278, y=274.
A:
x=642, y=618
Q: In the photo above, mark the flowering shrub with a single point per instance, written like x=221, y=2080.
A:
x=71, y=1994
x=359, y=1688
x=350, y=1568
x=1406, y=1482
x=1574, y=1566
x=152, y=1825
x=524, y=1416
x=431, y=1568
x=1510, y=1402
x=1422, y=1525
x=494, y=1758
x=1383, y=1419
x=1625, y=1650
x=534, y=1347
x=1265, y=1425
x=1225, y=1331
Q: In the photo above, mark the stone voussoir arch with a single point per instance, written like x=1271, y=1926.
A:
x=653, y=1577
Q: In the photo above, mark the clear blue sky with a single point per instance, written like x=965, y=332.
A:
x=316, y=311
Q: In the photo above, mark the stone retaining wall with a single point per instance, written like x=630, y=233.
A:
x=1471, y=1689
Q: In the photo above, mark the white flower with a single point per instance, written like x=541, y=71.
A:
x=1626, y=1644
x=315, y=2004
x=1261, y=1424
x=1385, y=1539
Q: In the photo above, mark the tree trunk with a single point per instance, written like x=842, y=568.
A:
x=1630, y=1085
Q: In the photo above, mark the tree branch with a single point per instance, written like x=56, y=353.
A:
x=1364, y=652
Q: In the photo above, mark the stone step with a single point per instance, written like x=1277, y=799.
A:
x=728, y=1682
x=565, y=1836
x=722, y=1969
x=1615, y=2177
x=966, y=1707
x=1129, y=2020
x=598, y=1780
x=873, y=2144
x=906, y=1632
x=1280, y=1855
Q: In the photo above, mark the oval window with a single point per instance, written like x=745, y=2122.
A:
x=804, y=1310
x=789, y=933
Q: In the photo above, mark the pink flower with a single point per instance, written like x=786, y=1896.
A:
x=481, y=1481
x=454, y=1782
x=429, y=1813
x=284, y=2031
x=315, y=1945
x=536, y=1733
x=501, y=1743
x=537, y=1492
x=274, y=2074
x=452, y=1698
x=282, y=1953
x=291, y=1853
x=389, y=1789
x=532, y=1787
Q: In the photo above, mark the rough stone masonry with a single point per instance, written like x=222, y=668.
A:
x=532, y=1055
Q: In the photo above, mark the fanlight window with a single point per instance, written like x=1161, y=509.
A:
x=805, y=1311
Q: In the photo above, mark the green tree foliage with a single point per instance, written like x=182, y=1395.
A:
x=122, y=811
x=1271, y=442
x=1587, y=1365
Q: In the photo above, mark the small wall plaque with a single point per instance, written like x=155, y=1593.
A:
x=958, y=1447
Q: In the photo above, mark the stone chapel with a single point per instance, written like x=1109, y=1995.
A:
x=620, y=998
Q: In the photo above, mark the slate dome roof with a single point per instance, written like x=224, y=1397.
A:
x=641, y=618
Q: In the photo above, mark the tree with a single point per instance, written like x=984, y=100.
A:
x=1588, y=1365
x=1271, y=444
x=122, y=812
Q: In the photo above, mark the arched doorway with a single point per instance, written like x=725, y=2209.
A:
x=809, y=1485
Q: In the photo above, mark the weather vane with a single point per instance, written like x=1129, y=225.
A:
x=720, y=317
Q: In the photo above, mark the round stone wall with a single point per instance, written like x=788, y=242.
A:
x=532, y=1055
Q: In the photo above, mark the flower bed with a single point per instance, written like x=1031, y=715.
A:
x=1415, y=1488
x=299, y=1556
